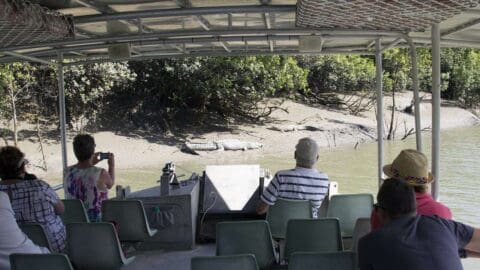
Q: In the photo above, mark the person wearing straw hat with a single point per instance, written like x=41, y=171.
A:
x=304, y=182
x=411, y=166
x=411, y=241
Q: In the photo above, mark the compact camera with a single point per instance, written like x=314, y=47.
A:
x=103, y=156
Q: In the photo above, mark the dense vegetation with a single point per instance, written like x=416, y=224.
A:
x=161, y=94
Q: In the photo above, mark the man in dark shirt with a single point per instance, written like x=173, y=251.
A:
x=408, y=241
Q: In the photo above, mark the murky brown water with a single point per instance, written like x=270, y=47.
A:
x=355, y=170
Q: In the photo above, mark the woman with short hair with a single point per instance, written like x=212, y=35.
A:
x=85, y=181
x=33, y=201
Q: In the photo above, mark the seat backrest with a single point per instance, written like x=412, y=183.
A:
x=40, y=262
x=74, y=211
x=94, y=246
x=324, y=261
x=36, y=233
x=233, y=262
x=348, y=208
x=279, y=214
x=362, y=228
x=313, y=235
x=130, y=217
x=246, y=237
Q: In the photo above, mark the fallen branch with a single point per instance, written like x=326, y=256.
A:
x=412, y=131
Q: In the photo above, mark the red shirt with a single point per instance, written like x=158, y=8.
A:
x=426, y=205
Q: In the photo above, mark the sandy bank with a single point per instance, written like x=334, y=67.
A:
x=334, y=128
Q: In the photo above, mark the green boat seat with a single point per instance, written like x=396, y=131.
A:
x=40, y=262
x=362, y=228
x=313, y=235
x=348, y=208
x=279, y=214
x=130, y=217
x=324, y=261
x=233, y=262
x=36, y=233
x=94, y=246
x=74, y=211
x=246, y=237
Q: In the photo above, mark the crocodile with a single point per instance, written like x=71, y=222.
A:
x=287, y=128
x=228, y=144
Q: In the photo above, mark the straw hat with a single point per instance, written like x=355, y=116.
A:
x=412, y=166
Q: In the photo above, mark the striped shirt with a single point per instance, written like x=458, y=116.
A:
x=298, y=184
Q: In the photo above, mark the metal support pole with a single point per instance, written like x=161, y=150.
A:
x=61, y=105
x=436, y=109
x=416, y=95
x=379, y=88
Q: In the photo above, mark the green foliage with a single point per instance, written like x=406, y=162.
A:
x=339, y=73
x=424, y=61
x=16, y=86
x=396, y=69
x=86, y=86
x=462, y=70
x=194, y=90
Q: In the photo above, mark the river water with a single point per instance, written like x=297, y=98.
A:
x=355, y=169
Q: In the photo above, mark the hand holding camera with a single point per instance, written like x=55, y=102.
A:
x=104, y=155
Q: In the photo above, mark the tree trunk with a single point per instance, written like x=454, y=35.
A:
x=14, y=116
x=390, y=130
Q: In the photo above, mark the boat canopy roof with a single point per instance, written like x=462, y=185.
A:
x=87, y=31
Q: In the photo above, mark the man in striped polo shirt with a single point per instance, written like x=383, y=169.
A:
x=302, y=183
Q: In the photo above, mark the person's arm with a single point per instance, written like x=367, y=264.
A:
x=107, y=179
x=262, y=207
x=52, y=197
x=111, y=168
x=473, y=247
x=472, y=254
x=268, y=197
x=59, y=207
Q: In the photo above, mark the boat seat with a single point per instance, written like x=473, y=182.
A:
x=130, y=217
x=246, y=237
x=279, y=214
x=362, y=228
x=36, y=233
x=74, y=211
x=348, y=208
x=94, y=246
x=326, y=261
x=233, y=262
x=313, y=235
x=40, y=262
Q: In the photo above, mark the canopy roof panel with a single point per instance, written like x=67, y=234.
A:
x=404, y=16
x=180, y=28
x=24, y=23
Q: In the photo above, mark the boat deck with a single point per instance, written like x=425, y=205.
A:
x=172, y=260
x=180, y=259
